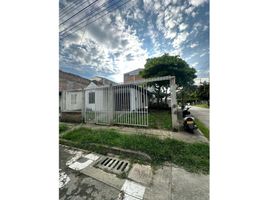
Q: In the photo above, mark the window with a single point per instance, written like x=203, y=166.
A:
x=73, y=98
x=91, y=97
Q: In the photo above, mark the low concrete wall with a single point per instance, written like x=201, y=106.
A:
x=73, y=117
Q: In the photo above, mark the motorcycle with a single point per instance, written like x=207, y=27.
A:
x=188, y=120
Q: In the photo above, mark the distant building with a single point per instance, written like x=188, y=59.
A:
x=101, y=81
x=133, y=76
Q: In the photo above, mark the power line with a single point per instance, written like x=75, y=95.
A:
x=79, y=11
x=81, y=21
x=71, y=9
x=72, y=4
x=66, y=35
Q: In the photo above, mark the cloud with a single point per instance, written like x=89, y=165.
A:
x=189, y=10
x=177, y=42
x=197, y=2
x=183, y=26
x=193, y=45
x=124, y=39
x=109, y=45
x=194, y=64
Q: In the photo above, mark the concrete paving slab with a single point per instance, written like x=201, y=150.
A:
x=132, y=190
x=141, y=174
x=83, y=161
x=108, y=178
x=160, y=189
x=189, y=186
x=81, y=187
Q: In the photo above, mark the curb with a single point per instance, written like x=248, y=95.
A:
x=109, y=149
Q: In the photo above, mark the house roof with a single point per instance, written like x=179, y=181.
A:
x=102, y=80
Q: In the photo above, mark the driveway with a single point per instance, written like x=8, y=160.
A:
x=201, y=113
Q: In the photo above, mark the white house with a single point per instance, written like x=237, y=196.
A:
x=125, y=97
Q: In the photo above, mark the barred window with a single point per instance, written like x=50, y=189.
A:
x=73, y=98
x=91, y=97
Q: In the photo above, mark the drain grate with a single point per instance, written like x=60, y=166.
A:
x=113, y=165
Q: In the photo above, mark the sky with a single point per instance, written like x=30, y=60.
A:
x=122, y=39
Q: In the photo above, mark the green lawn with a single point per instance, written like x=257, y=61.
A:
x=202, y=105
x=63, y=127
x=160, y=119
x=192, y=157
x=202, y=128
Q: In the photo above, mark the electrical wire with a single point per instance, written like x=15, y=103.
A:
x=69, y=8
x=64, y=35
x=80, y=21
x=79, y=12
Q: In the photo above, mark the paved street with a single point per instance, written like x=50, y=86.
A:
x=84, y=181
x=201, y=113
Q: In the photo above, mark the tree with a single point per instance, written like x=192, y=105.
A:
x=203, y=92
x=166, y=65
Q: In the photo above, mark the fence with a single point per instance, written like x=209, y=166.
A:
x=123, y=104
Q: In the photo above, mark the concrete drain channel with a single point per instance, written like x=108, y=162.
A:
x=113, y=165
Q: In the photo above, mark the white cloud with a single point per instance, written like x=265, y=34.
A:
x=189, y=10
x=197, y=2
x=181, y=37
x=193, y=45
x=194, y=64
x=183, y=26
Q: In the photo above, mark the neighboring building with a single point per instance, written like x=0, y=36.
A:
x=68, y=81
x=132, y=76
x=102, y=81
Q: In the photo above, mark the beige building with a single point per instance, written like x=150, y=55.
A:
x=132, y=76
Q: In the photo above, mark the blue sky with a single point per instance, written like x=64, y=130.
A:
x=122, y=40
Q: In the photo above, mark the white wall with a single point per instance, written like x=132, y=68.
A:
x=77, y=105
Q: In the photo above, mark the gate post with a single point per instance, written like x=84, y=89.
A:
x=173, y=104
x=110, y=105
x=83, y=108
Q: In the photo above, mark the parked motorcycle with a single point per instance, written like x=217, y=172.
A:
x=188, y=120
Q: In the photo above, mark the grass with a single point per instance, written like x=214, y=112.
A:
x=202, y=105
x=192, y=157
x=202, y=128
x=63, y=127
x=160, y=119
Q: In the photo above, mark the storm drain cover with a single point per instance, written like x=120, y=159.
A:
x=113, y=165
x=82, y=160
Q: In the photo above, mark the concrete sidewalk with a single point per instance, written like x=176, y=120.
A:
x=168, y=182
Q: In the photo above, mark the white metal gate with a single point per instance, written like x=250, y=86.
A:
x=125, y=104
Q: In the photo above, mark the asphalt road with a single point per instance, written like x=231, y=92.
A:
x=201, y=113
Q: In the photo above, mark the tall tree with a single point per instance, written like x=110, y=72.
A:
x=166, y=65
x=203, y=92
